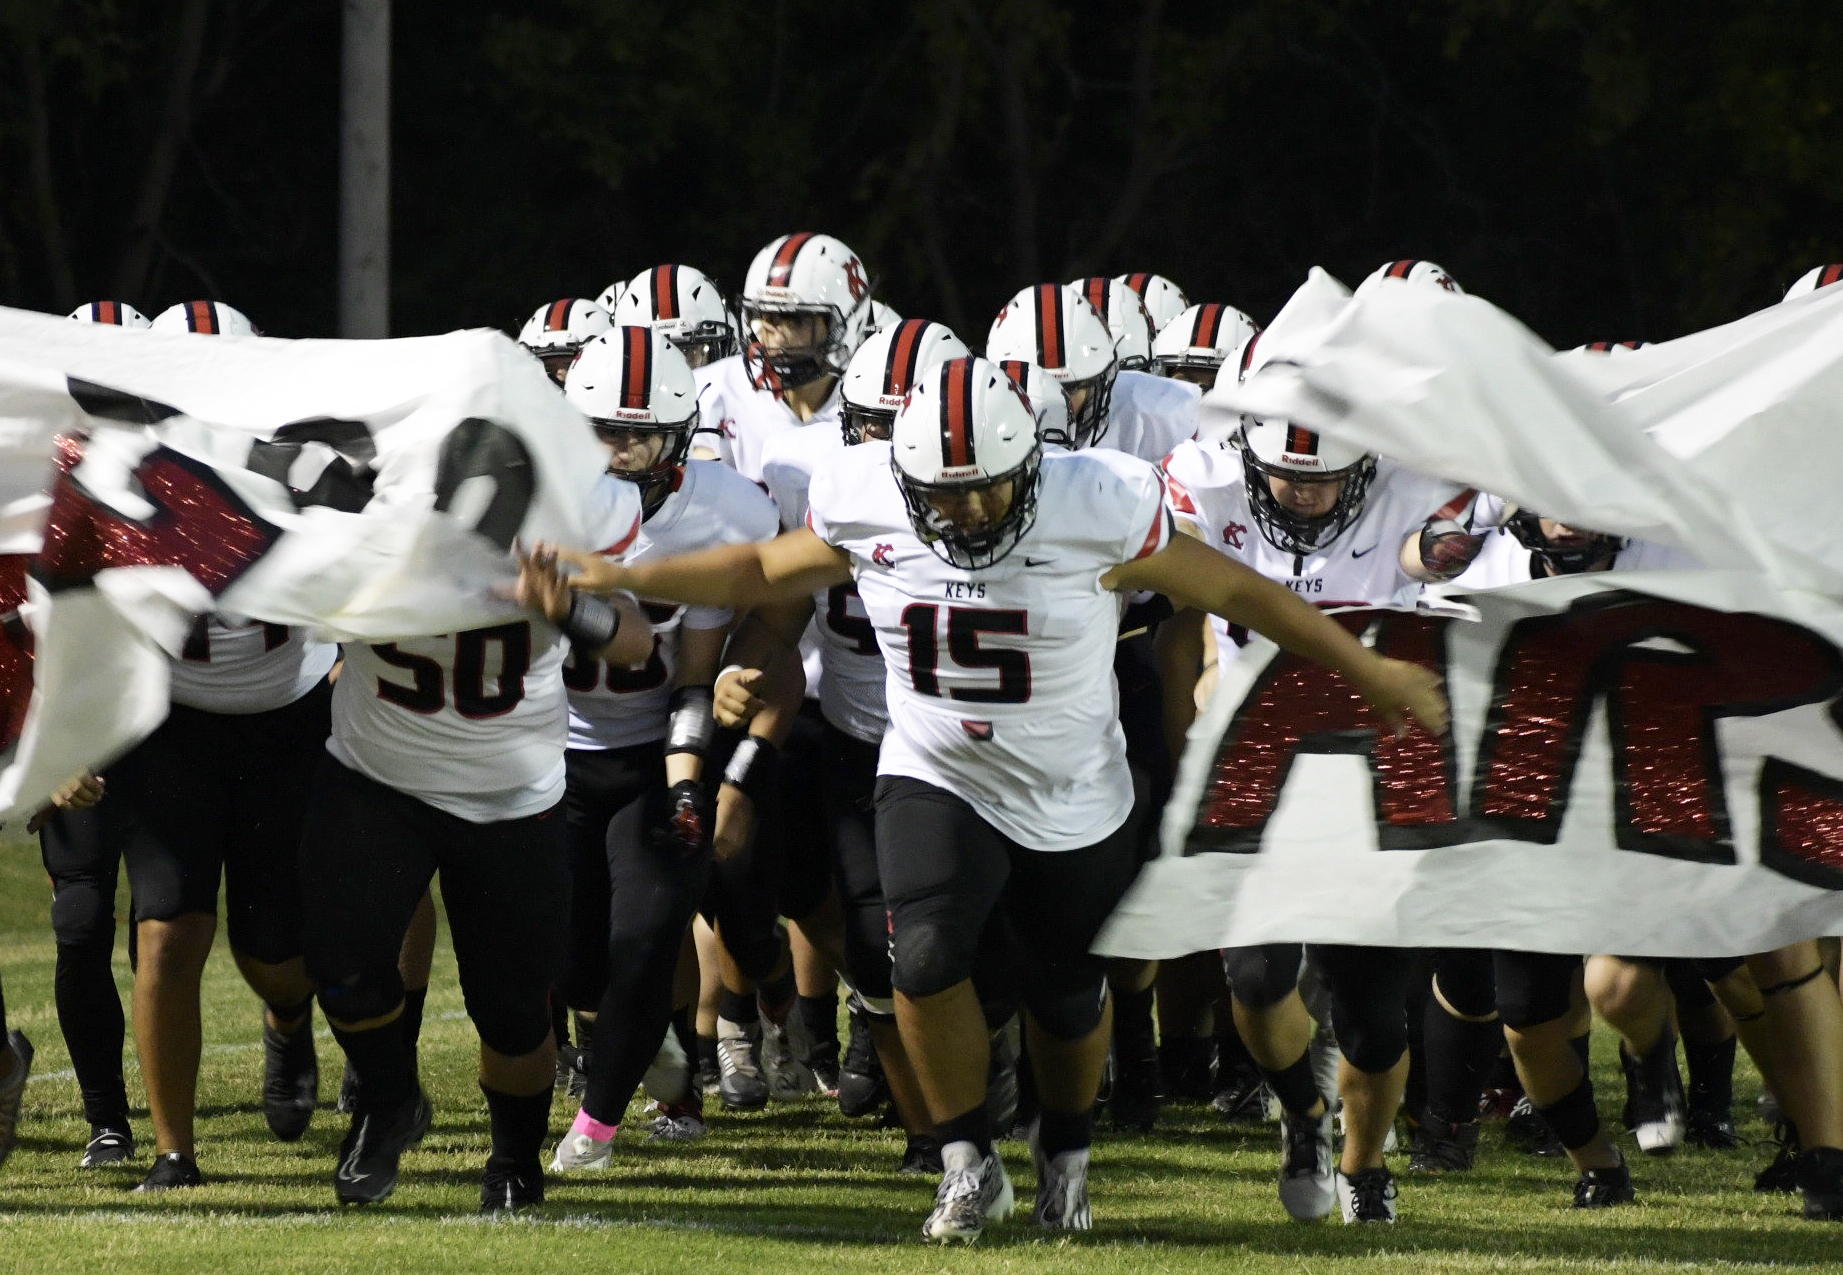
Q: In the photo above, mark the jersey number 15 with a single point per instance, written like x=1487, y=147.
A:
x=964, y=625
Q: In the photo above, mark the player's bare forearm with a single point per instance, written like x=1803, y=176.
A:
x=741, y=576
x=1179, y=648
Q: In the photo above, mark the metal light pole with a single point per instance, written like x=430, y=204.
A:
x=364, y=171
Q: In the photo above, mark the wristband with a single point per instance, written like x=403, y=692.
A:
x=753, y=766
x=690, y=727
x=725, y=671
x=591, y=622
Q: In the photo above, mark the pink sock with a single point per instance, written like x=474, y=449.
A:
x=587, y=1124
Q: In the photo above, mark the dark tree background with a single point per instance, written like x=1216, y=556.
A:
x=1602, y=168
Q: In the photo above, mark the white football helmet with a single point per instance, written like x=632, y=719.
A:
x=684, y=305
x=965, y=452
x=881, y=317
x=610, y=297
x=119, y=313
x=1198, y=342
x=1813, y=279
x=634, y=386
x=208, y=318
x=883, y=371
x=1163, y=299
x=1279, y=449
x=1047, y=400
x=805, y=274
x=557, y=329
x=1412, y=271
x=1125, y=316
x=1050, y=326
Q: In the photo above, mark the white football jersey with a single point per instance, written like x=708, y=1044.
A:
x=1207, y=488
x=231, y=665
x=736, y=420
x=614, y=707
x=1000, y=681
x=1150, y=415
x=472, y=723
x=849, y=673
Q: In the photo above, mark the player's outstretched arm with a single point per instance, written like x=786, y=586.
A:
x=740, y=576
x=613, y=629
x=1192, y=574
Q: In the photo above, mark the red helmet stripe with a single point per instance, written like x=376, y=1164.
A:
x=1018, y=370
x=108, y=312
x=1831, y=275
x=1301, y=442
x=1247, y=354
x=905, y=353
x=557, y=318
x=1049, y=326
x=1209, y=323
x=782, y=267
x=957, y=413
x=637, y=369
x=1401, y=268
x=202, y=316
x=1138, y=280
x=1095, y=289
x=665, y=292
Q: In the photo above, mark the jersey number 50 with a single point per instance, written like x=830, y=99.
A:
x=964, y=625
x=471, y=699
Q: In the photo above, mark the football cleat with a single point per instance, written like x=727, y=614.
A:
x=739, y=1079
x=1820, y=1181
x=581, y=1152
x=973, y=1191
x=1711, y=1130
x=1782, y=1173
x=107, y=1145
x=861, y=1086
x=173, y=1171
x=1307, y=1187
x=1604, y=1188
x=290, y=1080
x=1654, y=1097
x=1528, y=1132
x=1368, y=1195
x=508, y=1188
x=788, y=1078
x=1185, y=1065
x=373, y=1149
x=678, y=1122
x=1062, y=1189
x=1443, y=1147
x=922, y=1155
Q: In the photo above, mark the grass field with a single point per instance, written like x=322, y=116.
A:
x=797, y=1188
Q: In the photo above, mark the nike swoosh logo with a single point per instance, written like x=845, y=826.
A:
x=1358, y=553
x=1037, y=562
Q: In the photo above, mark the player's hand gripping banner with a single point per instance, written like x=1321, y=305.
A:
x=1642, y=762
x=368, y=490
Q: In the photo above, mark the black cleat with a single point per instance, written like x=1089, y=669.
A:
x=290, y=1080
x=171, y=1171
x=1443, y=1147
x=109, y=1144
x=1185, y=1064
x=511, y=1188
x=1529, y=1133
x=13, y=1090
x=1138, y=1093
x=1243, y=1096
x=1820, y=1181
x=922, y=1155
x=861, y=1087
x=1711, y=1130
x=1782, y=1173
x=374, y=1146
x=1604, y=1188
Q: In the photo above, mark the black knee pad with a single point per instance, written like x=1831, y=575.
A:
x=1264, y=975
x=1068, y=1003
x=512, y=1030
x=1371, y=1037
x=80, y=916
x=1533, y=988
x=360, y=998
x=1466, y=981
x=929, y=958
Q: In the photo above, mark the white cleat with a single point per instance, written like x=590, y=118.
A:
x=1062, y=1189
x=973, y=1191
x=580, y=1151
x=676, y=1123
x=1368, y=1195
x=1308, y=1190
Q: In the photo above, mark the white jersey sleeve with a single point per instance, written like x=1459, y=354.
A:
x=231, y=665
x=1150, y=415
x=737, y=419
x=616, y=707
x=471, y=723
x=1000, y=681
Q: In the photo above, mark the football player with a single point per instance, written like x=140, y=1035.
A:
x=685, y=306
x=557, y=329
x=986, y=566
x=634, y=799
